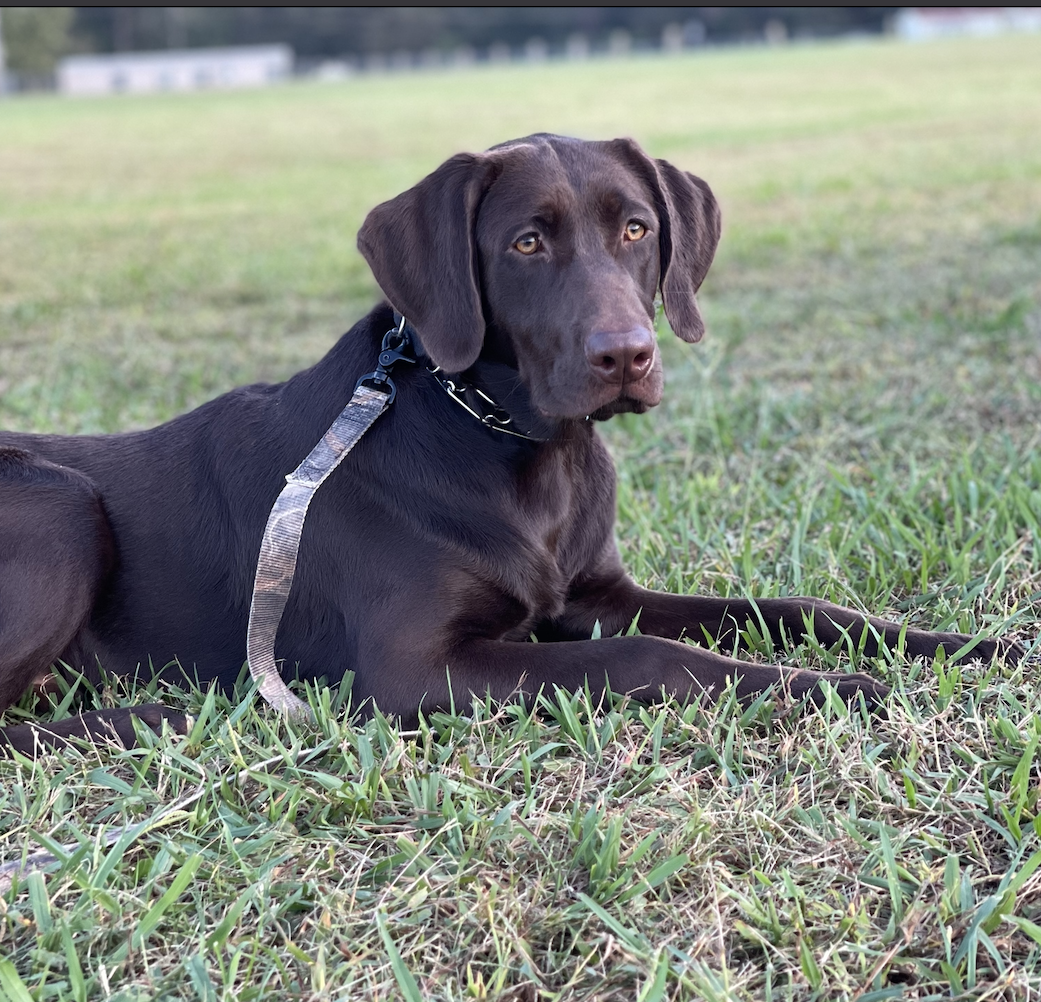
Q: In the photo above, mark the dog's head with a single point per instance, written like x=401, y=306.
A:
x=547, y=253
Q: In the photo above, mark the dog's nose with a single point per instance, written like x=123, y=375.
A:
x=621, y=356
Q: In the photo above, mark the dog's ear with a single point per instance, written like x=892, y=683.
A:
x=422, y=250
x=689, y=226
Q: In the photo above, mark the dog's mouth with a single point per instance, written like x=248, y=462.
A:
x=630, y=397
x=568, y=396
x=622, y=405
x=635, y=398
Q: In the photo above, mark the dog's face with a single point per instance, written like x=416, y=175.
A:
x=547, y=253
x=568, y=261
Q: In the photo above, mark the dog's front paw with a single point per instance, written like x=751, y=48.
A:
x=1009, y=651
x=923, y=644
x=850, y=686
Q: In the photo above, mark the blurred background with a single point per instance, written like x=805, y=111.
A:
x=336, y=41
x=330, y=40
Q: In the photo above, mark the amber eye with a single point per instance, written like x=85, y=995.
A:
x=634, y=230
x=528, y=244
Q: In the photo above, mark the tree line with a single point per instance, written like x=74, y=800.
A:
x=35, y=37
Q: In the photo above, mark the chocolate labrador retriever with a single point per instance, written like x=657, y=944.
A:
x=452, y=534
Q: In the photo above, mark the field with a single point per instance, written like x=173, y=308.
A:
x=862, y=422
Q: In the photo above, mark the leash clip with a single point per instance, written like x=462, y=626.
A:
x=397, y=347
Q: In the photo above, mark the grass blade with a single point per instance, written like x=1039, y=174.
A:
x=404, y=977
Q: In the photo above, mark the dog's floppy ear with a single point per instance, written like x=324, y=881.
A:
x=421, y=248
x=689, y=226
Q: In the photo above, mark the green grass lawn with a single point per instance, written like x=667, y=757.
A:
x=862, y=422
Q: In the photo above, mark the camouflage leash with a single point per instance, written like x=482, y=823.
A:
x=373, y=394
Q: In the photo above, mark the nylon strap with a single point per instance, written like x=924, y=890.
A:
x=281, y=544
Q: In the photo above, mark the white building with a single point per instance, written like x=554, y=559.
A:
x=174, y=70
x=922, y=23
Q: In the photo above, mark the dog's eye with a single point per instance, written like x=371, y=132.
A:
x=529, y=243
x=634, y=230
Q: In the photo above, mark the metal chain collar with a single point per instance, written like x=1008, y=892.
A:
x=497, y=418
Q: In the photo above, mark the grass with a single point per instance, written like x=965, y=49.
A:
x=862, y=423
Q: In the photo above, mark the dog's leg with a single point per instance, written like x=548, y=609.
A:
x=55, y=550
x=618, y=601
x=642, y=666
x=96, y=727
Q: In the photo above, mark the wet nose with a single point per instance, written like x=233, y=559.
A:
x=621, y=356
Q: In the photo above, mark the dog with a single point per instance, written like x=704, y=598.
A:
x=452, y=535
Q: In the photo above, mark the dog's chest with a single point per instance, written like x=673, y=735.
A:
x=564, y=509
